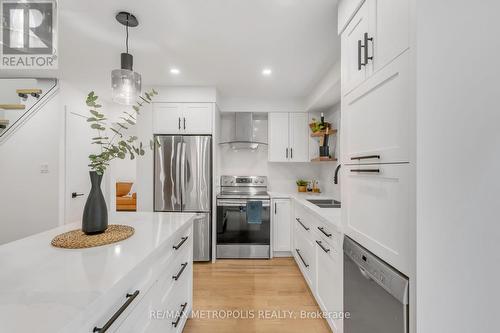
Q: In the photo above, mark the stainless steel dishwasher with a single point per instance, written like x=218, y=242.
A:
x=375, y=294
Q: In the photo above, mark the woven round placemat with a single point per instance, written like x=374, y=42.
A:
x=76, y=239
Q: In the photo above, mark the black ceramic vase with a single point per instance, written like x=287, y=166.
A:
x=95, y=213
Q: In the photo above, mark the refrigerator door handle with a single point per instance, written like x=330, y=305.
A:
x=178, y=174
x=183, y=173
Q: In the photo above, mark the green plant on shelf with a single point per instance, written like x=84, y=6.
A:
x=317, y=126
x=301, y=182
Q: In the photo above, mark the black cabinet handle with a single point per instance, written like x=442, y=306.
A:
x=366, y=170
x=303, y=261
x=302, y=224
x=366, y=48
x=178, y=275
x=179, y=317
x=184, y=123
x=366, y=157
x=183, y=239
x=360, y=63
x=324, y=232
x=291, y=153
x=322, y=247
x=130, y=299
x=286, y=154
x=179, y=122
x=75, y=195
x=275, y=208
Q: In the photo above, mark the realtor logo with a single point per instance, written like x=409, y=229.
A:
x=28, y=34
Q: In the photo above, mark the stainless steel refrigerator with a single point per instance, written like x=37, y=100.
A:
x=183, y=183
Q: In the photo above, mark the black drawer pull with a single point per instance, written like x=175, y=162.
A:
x=183, y=239
x=366, y=170
x=327, y=234
x=367, y=157
x=179, y=317
x=300, y=256
x=178, y=275
x=302, y=224
x=130, y=299
x=322, y=247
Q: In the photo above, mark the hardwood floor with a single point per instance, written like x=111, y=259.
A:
x=247, y=288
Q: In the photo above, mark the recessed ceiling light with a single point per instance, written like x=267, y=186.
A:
x=175, y=71
x=267, y=71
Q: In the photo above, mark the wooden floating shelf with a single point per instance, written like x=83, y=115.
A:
x=28, y=91
x=318, y=134
x=323, y=159
x=12, y=106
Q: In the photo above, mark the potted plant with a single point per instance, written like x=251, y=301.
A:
x=112, y=144
x=317, y=126
x=302, y=185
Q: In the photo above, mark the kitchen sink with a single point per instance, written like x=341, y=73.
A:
x=325, y=203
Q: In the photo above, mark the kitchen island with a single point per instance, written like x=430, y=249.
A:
x=48, y=289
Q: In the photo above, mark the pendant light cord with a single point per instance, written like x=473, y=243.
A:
x=126, y=28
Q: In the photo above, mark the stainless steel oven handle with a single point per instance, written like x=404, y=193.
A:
x=238, y=203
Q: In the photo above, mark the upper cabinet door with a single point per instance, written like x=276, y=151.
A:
x=389, y=28
x=353, y=56
x=197, y=118
x=278, y=149
x=167, y=118
x=376, y=117
x=299, y=137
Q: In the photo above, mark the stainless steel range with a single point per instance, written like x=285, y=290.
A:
x=243, y=218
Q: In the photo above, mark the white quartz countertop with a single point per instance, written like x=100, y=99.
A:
x=43, y=288
x=330, y=215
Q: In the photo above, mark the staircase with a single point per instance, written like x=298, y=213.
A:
x=20, y=98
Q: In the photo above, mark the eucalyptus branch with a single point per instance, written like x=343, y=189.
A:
x=109, y=149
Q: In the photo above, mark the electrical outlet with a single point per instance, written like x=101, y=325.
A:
x=44, y=168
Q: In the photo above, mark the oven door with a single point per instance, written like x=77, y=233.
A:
x=236, y=238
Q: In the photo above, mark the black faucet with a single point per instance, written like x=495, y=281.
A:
x=336, y=176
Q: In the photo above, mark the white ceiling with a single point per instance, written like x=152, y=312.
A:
x=225, y=43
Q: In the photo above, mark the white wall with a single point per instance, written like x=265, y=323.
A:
x=281, y=176
x=328, y=169
x=458, y=159
x=29, y=199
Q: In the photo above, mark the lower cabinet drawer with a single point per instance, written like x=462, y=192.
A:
x=305, y=257
x=166, y=305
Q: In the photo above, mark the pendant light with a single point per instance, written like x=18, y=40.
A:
x=125, y=83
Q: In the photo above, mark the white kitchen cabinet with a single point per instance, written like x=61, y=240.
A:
x=389, y=27
x=167, y=118
x=376, y=117
x=282, y=228
x=319, y=255
x=377, y=210
x=353, y=68
x=376, y=35
x=182, y=118
x=161, y=288
x=305, y=256
x=329, y=279
x=288, y=135
x=197, y=118
x=278, y=138
x=299, y=137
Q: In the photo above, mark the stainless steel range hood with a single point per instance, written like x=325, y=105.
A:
x=244, y=135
